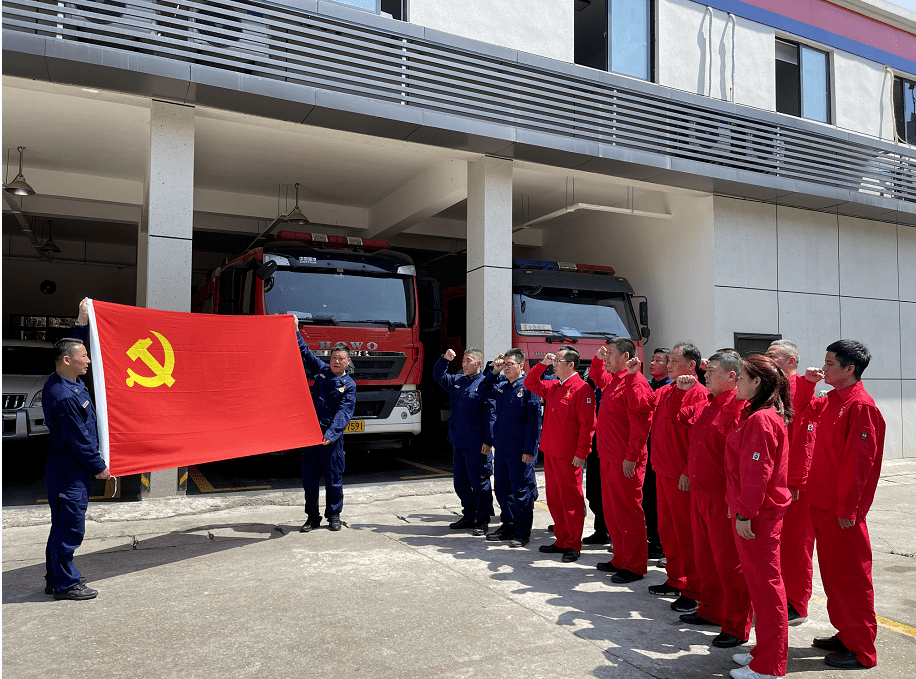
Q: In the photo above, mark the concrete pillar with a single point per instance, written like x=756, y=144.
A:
x=489, y=320
x=166, y=225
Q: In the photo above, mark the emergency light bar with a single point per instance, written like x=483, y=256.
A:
x=544, y=265
x=336, y=241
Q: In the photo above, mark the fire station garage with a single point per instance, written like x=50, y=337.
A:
x=147, y=181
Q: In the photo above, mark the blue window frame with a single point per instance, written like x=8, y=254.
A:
x=802, y=81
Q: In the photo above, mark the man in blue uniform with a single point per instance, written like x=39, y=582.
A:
x=73, y=459
x=334, y=396
x=470, y=431
x=516, y=433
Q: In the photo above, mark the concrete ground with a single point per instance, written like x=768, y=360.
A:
x=227, y=587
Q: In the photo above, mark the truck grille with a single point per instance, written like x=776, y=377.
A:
x=373, y=403
x=377, y=368
x=13, y=401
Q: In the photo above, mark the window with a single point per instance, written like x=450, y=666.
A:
x=905, y=110
x=747, y=343
x=615, y=35
x=392, y=8
x=802, y=81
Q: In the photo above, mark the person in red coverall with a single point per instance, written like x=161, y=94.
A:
x=627, y=402
x=757, y=494
x=796, y=545
x=566, y=439
x=670, y=441
x=725, y=600
x=845, y=467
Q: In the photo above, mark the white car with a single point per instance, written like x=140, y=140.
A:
x=26, y=366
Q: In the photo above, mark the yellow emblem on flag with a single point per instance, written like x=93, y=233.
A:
x=163, y=373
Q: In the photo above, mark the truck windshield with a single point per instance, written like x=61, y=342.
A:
x=573, y=314
x=341, y=298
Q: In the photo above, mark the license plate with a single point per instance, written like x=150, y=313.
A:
x=354, y=426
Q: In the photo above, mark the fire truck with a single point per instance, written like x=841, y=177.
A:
x=350, y=290
x=555, y=303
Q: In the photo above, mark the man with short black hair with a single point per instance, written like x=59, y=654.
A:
x=566, y=439
x=845, y=466
x=623, y=427
x=670, y=443
x=470, y=431
x=796, y=543
x=725, y=600
x=515, y=437
x=334, y=396
x=73, y=459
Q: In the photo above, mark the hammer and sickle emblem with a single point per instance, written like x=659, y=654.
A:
x=163, y=373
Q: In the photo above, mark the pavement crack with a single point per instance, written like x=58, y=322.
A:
x=404, y=519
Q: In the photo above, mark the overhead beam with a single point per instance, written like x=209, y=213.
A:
x=425, y=195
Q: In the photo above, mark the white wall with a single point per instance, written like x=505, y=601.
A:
x=862, y=92
x=667, y=261
x=815, y=277
x=543, y=27
x=683, y=59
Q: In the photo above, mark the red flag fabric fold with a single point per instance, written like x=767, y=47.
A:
x=175, y=389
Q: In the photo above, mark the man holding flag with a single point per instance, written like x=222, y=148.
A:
x=73, y=459
x=334, y=396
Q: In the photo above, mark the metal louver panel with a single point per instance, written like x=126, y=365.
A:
x=322, y=52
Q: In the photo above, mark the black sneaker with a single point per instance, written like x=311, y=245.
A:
x=518, y=542
x=462, y=523
x=725, y=640
x=334, y=523
x=50, y=590
x=623, y=577
x=570, y=555
x=550, y=528
x=502, y=533
x=550, y=549
x=76, y=593
x=795, y=617
x=829, y=644
x=480, y=527
x=684, y=604
x=606, y=567
x=310, y=525
x=664, y=589
x=656, y=552
x=596, y=539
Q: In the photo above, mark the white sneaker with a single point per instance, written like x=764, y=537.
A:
x=748, y=673
x=743, y=658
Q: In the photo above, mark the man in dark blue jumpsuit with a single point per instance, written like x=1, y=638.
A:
x=73, y=459
x=334, y=396
x=470, y=431
x=516, y=434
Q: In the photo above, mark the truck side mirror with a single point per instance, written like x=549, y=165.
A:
x=644, y=332
x=644, y=313
x=266, y=270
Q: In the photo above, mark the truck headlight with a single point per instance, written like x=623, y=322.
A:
x=410, y=400
x=36, y=399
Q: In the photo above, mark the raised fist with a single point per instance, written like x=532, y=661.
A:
x=814, y=375
x=548, y=359
x=449, y=355
x=634, y=365
x=83, y=316
x=602, y=353
x=686, y=382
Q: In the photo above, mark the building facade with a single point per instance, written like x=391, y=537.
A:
x=748, y=166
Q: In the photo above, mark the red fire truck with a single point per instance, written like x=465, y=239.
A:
x=556, y=303
x=350, y=290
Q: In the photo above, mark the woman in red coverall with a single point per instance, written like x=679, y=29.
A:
x=757, y=494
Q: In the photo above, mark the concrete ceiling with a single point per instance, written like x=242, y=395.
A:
x=70, y=132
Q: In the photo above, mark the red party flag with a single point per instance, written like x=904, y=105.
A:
x=176, y=389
